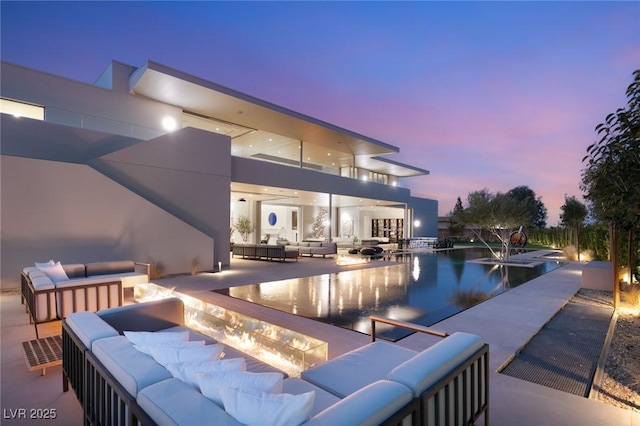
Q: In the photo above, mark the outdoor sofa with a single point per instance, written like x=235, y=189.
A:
x=119, y=385
x=51, y=291
x=313, y=248
x=449, y=379
x=264, y=252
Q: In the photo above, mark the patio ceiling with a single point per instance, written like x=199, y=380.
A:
x=285, y=196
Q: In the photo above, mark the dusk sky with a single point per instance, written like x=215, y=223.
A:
x=482, y=94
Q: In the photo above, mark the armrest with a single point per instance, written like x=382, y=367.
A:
x=373, y=404
x=143, y=268
x=402, y=324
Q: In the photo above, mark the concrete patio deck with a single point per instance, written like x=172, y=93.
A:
x=507, y=322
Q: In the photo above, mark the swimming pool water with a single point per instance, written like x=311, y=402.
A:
x=422, y=288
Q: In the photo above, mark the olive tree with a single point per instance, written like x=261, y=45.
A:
x=528, y=197
x=245, y=227
x=499, y=214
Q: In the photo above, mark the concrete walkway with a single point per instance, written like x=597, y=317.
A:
x=507, y=322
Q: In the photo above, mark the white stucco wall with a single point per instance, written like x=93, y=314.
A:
x=72, y=213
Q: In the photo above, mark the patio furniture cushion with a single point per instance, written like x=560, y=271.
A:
x=425, y=369
x=41, y=281
x=151, y=338
x=193, y=335
x=322, y=400
x=354, y=370
x=188, y=371
x=55, y=272
x=146, y=349
x=130, y=367
x=172, y=402
x=75, y=270
x=45, y=264
x=211, y=384
x=256, y=408
x=89, y=327
x=111, y=267
x=165, y=355
x=370, y=405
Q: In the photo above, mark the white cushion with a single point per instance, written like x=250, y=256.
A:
x=45, y=264
x=42, y=283
x=425, y=369
x=150, y=338
x=187, y=371
x=255, y=408
x=146, y=349
x=371, y=405
x=212, y=383
x=55, y=272
x=89, y=327
x=173, y=403
x=354, y=370
x=173, y=355
x=131, y=368
x=321, y=401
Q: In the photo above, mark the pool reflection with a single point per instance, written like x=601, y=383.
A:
x=422, y=288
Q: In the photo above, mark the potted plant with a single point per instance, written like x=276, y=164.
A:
x=231, y=231
x=244, y=226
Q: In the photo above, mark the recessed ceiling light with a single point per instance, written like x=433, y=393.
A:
x=169, y=124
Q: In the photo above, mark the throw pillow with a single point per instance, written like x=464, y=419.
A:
x=150, y=338
x=188, y=371
x=212, y=383
x=255, y=408
x=45, y=264
x=166, y=355
x=146, y=349
x=55, y=272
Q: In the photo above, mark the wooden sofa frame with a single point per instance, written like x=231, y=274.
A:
x=87, y=293
x=464, y=390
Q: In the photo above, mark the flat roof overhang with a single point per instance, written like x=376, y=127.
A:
x=390, y=167
x=193, y=94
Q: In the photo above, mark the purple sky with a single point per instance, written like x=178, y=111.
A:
x=484, y=95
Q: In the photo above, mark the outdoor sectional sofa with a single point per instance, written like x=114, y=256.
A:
x=119, y=385
x=81, y=287
x=313, y=248
x=264, y=251
x=378, y=384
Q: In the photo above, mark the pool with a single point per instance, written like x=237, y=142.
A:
x=422, y=288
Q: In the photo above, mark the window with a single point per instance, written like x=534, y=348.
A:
x=21, y=109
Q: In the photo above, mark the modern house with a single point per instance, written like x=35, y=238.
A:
x=152, y=164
